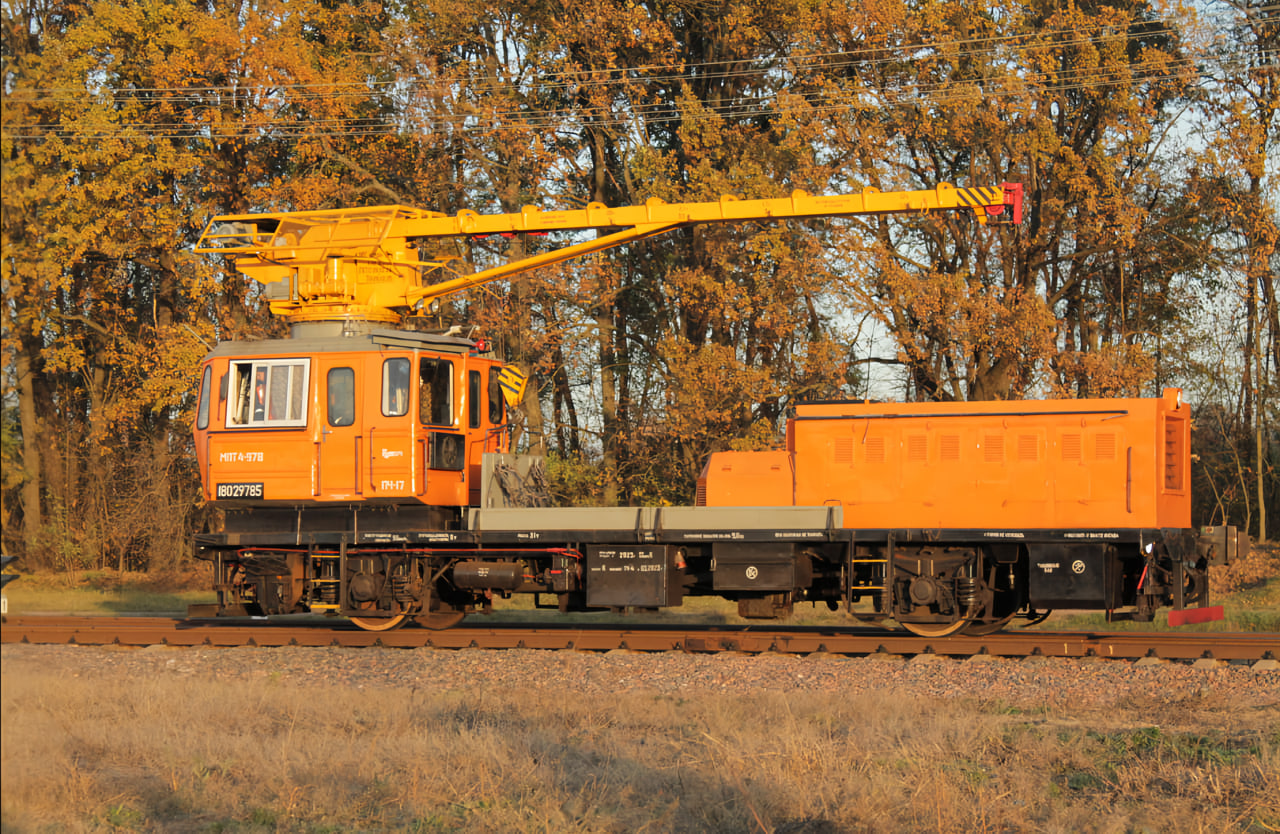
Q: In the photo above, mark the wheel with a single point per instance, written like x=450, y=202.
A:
x=396, y=581
x=935, y=582
x=936, y=629
x=439, y=620
x=380, y=623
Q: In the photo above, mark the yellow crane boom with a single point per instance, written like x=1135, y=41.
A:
x=364, y=263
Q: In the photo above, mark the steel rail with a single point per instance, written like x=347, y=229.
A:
x=145, y=631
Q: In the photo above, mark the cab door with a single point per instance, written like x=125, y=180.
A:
x=390, y=436
x=444, y=447
x=338, y=447
x=485, y=417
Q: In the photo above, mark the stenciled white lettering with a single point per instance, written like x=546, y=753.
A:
x=241, y=457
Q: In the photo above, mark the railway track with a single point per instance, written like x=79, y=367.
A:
x=147, y=631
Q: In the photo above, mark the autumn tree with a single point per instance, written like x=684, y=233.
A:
x=1075, y=103
x=1237, y=191
x=91, y=199
x=126, y=126
x=683, y=104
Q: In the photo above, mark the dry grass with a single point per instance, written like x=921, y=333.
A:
x=194, y=754
x=1254, y=569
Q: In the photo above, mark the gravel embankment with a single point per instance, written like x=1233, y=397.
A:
x=1038, y=681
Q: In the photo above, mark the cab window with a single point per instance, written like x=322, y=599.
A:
x=268, y=393
x=206, y=394
x=341, y=396
x=473, y=399
x=495, y=396
x=435, y=392
x=395, y=387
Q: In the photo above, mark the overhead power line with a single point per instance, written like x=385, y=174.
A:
x=959, y=49
x=587, y=79
x=285, y=120
x=279, y=111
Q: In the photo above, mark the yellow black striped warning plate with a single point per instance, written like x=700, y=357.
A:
x=977, y=197
x=512, y=382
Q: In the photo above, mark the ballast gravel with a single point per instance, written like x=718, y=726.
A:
x=1037, y=681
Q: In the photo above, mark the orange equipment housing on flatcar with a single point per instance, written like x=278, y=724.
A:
x=1042, y=464
x=384, y=417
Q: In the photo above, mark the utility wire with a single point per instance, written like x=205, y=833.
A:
x=279, y=110
x=522, y=119
x=956, y=49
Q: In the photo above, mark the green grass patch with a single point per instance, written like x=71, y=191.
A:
x=103, y=593
x=1192, y=749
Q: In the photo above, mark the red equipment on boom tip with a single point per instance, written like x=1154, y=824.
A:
x=1012, y=201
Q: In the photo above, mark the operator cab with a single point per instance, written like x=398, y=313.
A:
x=384, y=417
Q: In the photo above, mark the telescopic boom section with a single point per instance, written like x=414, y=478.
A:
x=366, y=263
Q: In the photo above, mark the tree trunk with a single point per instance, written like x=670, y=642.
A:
x=607, y=320
x=32, y=483
x=608, y=399
x=531, y=405
x=1257, y=270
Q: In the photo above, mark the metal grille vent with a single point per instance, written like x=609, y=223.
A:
x=1173, y=454
x=1105, y=447
x=1071, y=447
x=951, y=447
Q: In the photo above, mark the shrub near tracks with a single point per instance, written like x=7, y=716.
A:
x=335, y=739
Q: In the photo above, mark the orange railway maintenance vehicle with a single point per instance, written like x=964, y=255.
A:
x=365, y=469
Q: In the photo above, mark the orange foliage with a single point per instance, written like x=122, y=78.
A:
x=127, y=124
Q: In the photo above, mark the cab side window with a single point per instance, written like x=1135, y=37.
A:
x=395, y=387
x=473, y=399
x=206, y=395
x=495, y=396
x=435, y=392
x=341, y=396
x=267, y=393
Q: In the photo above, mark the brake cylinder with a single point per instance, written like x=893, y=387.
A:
x=502, y=576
